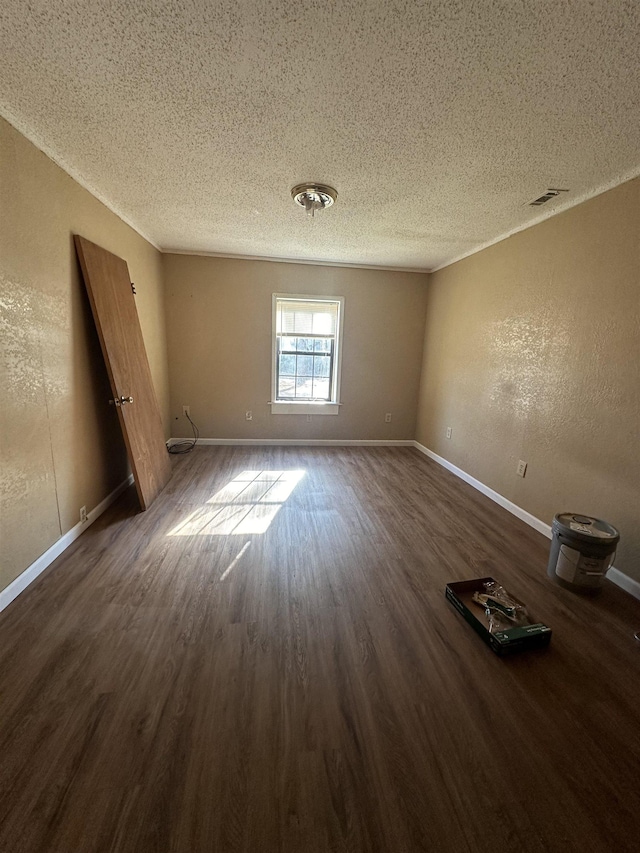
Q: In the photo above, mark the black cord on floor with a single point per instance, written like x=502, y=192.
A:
x=186, y=446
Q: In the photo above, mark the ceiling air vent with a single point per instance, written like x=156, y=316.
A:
x=543, y=199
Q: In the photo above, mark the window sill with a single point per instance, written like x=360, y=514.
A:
x=305, y=408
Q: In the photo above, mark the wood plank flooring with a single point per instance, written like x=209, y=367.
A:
x=265, y=661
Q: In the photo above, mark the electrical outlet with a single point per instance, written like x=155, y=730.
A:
x=83, y=514
x=387, y=418
x=186, y=411
x=521, y=470
x=248, y=416
x=449, y=432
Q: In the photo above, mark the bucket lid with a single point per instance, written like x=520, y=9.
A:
x=593, y=528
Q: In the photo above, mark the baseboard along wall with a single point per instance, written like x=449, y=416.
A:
x=9, y=593
x=300, y=442
x=617, y=577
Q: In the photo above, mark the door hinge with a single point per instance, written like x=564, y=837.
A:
x=133, y=288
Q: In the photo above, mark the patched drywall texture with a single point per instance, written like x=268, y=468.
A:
x=219, y=336
x=60, y=443
x=532, y=351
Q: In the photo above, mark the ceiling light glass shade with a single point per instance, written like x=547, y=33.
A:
x=313, y=197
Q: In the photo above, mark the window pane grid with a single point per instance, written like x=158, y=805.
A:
x=304, y=373
x=306, y=333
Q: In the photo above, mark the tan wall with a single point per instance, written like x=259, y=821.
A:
x=219, y=332
x=532, y=351
x=60, y=445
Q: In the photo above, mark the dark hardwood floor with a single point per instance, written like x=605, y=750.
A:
x=267, y=662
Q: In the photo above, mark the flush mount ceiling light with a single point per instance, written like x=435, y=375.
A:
x=313, y=197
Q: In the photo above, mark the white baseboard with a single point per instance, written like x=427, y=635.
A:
x=9, y=593
x=615, y=575
x=301, y=442
x=514, y=509
x=619, y=578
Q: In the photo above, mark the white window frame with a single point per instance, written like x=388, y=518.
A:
x=293, y=407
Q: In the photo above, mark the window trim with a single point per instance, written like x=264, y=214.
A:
x=306, y=407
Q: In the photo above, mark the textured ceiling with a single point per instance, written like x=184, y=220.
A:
x=436, y=121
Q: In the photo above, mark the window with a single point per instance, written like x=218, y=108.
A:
x=306, y=354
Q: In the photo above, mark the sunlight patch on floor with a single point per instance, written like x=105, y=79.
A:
x=235, y=561
x=248, y=504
